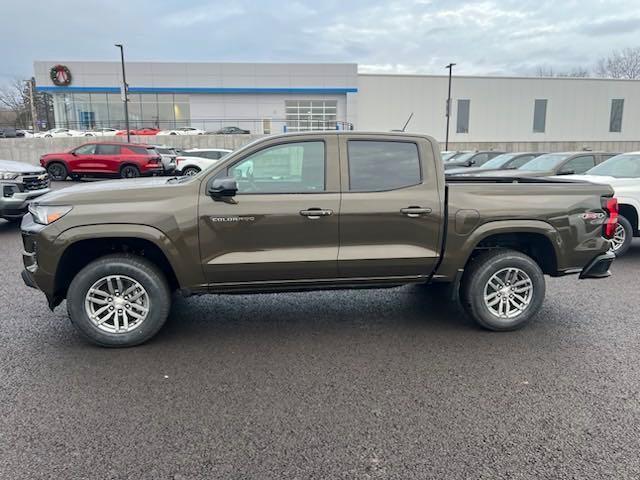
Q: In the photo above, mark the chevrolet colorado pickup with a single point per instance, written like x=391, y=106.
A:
x=19, y=184
x=312, y=211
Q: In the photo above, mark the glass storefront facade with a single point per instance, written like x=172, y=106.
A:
x=147, y=110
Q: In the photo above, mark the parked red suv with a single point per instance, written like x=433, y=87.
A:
x=126, y=160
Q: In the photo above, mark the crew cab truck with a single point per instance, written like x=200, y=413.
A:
x=311, y=211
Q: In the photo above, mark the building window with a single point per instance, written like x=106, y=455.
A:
x=539, y=115
x=462, y=123
x=615, y=119
x=304, y=115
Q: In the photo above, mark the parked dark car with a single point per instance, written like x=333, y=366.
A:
x=230, y=131
x=312, y=211
x=471, y=159
x=126, y=160
x=561, y=163
x=506, y=161
x=8, y=132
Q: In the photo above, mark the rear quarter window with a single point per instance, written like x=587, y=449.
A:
x=376, y=166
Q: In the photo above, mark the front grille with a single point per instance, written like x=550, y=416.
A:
x=36, y=182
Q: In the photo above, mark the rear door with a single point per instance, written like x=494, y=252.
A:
x=391, y=211
x=282, y=225
x=108, y=158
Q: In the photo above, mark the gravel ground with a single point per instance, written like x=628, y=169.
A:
x=355, y=384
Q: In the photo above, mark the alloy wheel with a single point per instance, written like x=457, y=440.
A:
x=508, y=293
x=117, y=304
x=618, y=239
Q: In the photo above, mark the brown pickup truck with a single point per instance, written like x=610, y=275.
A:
x=312, y=211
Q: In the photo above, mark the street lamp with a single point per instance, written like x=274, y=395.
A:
x=446, y=142
x=125, y=92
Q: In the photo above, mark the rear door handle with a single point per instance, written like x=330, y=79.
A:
x=315, y=213
x=415, y=212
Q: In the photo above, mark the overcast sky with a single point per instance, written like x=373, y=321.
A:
x=497, y=37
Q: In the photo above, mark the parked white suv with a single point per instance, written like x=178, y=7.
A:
x=193, y=161
x=182, y=131
x=622, y=172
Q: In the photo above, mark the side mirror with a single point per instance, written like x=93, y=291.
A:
x=223, y=187
x=472, y=163
x=74, y=153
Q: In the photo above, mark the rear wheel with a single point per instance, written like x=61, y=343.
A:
x=502, y=289
x=129, y=171
x=119, y=300
x=190, y=171
x=57, y=171
x=622, y=237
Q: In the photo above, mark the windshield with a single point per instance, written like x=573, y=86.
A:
x=464, y=157
x=620, y=166
x=545, y=162
x=499, y=161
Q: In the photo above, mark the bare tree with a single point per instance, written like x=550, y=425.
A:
x=620, y=64
x=14, y=98
x=548, y=71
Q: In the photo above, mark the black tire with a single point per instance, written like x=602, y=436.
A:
x=75, y=177
x=628, y=237
x=476, y=277
x=129, y=171
x=190, y=171
x=57, y=171
x=142, y=271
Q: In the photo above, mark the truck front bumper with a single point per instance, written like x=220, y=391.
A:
x=17, y=204
x=599, y=266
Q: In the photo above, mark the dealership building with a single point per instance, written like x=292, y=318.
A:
x=276, y=97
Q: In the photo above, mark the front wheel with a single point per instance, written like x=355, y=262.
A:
x=502, y=289
x=119, y=300
x=190, y=171
x=129, y=171
x=57, y=171
x=622, y=237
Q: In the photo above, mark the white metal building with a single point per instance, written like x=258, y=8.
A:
x=274, y=97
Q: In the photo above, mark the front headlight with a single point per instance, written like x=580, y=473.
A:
x=8, y=175
x=46, y=214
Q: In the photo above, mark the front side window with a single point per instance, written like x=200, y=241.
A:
x=462, y=123
x=105, y=149
x=289, y=168
x=378, y=166
x=615, y=118
x=579, y=165
x=85, y=149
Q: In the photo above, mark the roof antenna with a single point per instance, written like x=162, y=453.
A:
x=407, y=122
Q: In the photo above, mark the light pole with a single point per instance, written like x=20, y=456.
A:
x=125, y=92
x=34, y=111
x=446, y=141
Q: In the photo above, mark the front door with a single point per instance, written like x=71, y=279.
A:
x=107, y=158
x=282, y=225
x=83, y=158
x=391, y=211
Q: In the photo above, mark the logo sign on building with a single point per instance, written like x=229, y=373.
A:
x=60, y=75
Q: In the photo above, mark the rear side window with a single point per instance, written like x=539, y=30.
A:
x=378, y=166
x=106, y=149
x=139, y=150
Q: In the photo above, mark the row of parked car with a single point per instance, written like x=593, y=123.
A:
x=21, y=182
x=9, y=132
x=621, y=171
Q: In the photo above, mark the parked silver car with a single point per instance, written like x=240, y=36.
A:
x=169, y=155
x=19, y=184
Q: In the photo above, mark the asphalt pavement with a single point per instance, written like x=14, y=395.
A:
x=358, y=384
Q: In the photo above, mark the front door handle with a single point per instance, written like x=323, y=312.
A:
x=315, y=213
x=415, y=212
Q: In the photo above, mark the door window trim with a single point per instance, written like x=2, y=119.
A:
x=421, y=182
x=225, y=172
